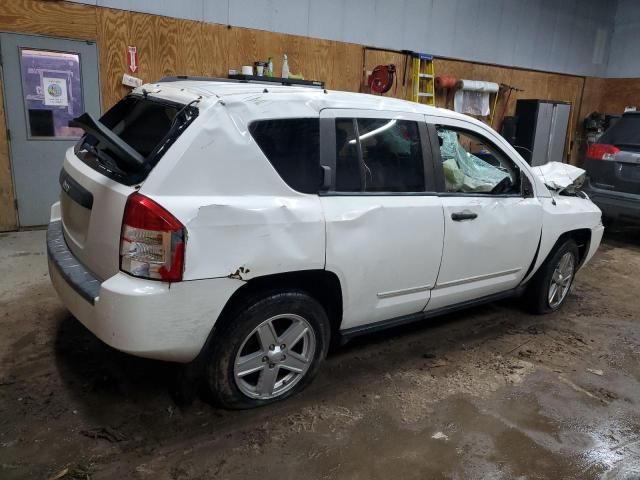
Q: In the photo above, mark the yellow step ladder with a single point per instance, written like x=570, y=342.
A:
x=423, y=84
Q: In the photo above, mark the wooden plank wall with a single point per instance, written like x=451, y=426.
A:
x=375, y=57
x=8, y=219
x=168, y=46
x=610, y=95
x=541, y=85
x=53, y=18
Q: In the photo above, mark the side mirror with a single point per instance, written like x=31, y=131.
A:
x=326, y=177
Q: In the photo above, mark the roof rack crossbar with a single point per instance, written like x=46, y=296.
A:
x=248, y=79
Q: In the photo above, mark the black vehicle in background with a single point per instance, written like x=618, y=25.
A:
x=613, y=170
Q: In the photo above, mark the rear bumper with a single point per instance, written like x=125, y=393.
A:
x=616, y=205
x=69, y=268
x=142, y=317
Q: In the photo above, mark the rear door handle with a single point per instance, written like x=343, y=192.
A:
x=460, y=216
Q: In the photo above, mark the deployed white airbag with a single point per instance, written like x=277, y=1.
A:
x=560, y=176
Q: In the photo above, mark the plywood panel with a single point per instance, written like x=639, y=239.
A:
x=170, y=46
x=609, y=95
x=592, y=95
x=8, y=219
x=166, y=46
x=213, y=59
x=154, y=37
x=538, y=85
x=57, y=19
x=313, y=58
x=617, y=93
x=112, y=45
x=247, y=46
x=374, y=57
x=317, y=59
x=347, y=67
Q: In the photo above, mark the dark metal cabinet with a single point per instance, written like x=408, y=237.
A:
x=542, y=130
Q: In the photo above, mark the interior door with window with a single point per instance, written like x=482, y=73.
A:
x=384, y=226
x=493, y=222
x=47, y=82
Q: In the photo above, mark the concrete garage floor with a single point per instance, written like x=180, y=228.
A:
x=488, y=393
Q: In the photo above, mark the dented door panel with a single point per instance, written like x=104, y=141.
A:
x=386, y=252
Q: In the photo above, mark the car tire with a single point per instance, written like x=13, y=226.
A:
x=249, y=363
x=557, y=271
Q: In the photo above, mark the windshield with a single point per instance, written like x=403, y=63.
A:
x=146, y=127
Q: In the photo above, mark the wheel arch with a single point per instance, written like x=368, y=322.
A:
x=323, y=285
x=582, y=237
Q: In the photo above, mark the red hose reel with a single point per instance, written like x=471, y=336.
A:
x=381, y=78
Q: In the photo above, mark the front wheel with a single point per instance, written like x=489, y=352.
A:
x=268, y=351
x=551, y=285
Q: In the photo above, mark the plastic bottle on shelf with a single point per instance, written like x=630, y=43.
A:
x=269, y=72
x=285, y=67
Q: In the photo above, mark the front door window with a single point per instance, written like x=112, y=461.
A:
x=472, y=165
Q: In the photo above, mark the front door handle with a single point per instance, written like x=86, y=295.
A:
x=460, y=216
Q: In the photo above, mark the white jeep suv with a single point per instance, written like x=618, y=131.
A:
x=244, y=226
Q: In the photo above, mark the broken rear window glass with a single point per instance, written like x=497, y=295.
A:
x=148, y=126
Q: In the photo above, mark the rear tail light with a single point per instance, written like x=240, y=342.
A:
x=152, y=241
x=602, y=151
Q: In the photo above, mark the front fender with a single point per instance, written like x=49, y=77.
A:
x=562, y=214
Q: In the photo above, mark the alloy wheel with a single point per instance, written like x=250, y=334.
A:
x=561, y=280
x=275, y=356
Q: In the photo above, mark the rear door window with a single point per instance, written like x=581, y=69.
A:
x=292, y=146
x=379, y=155
x=348, y=165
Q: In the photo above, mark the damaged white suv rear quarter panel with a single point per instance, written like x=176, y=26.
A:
x=242, y=219
x=249, y=236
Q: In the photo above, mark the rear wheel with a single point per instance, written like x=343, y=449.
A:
x=267, y=351
x=551, y=285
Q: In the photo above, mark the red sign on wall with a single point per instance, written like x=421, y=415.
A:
x=132, y=58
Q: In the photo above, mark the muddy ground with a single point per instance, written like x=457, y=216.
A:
x=490, y=393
